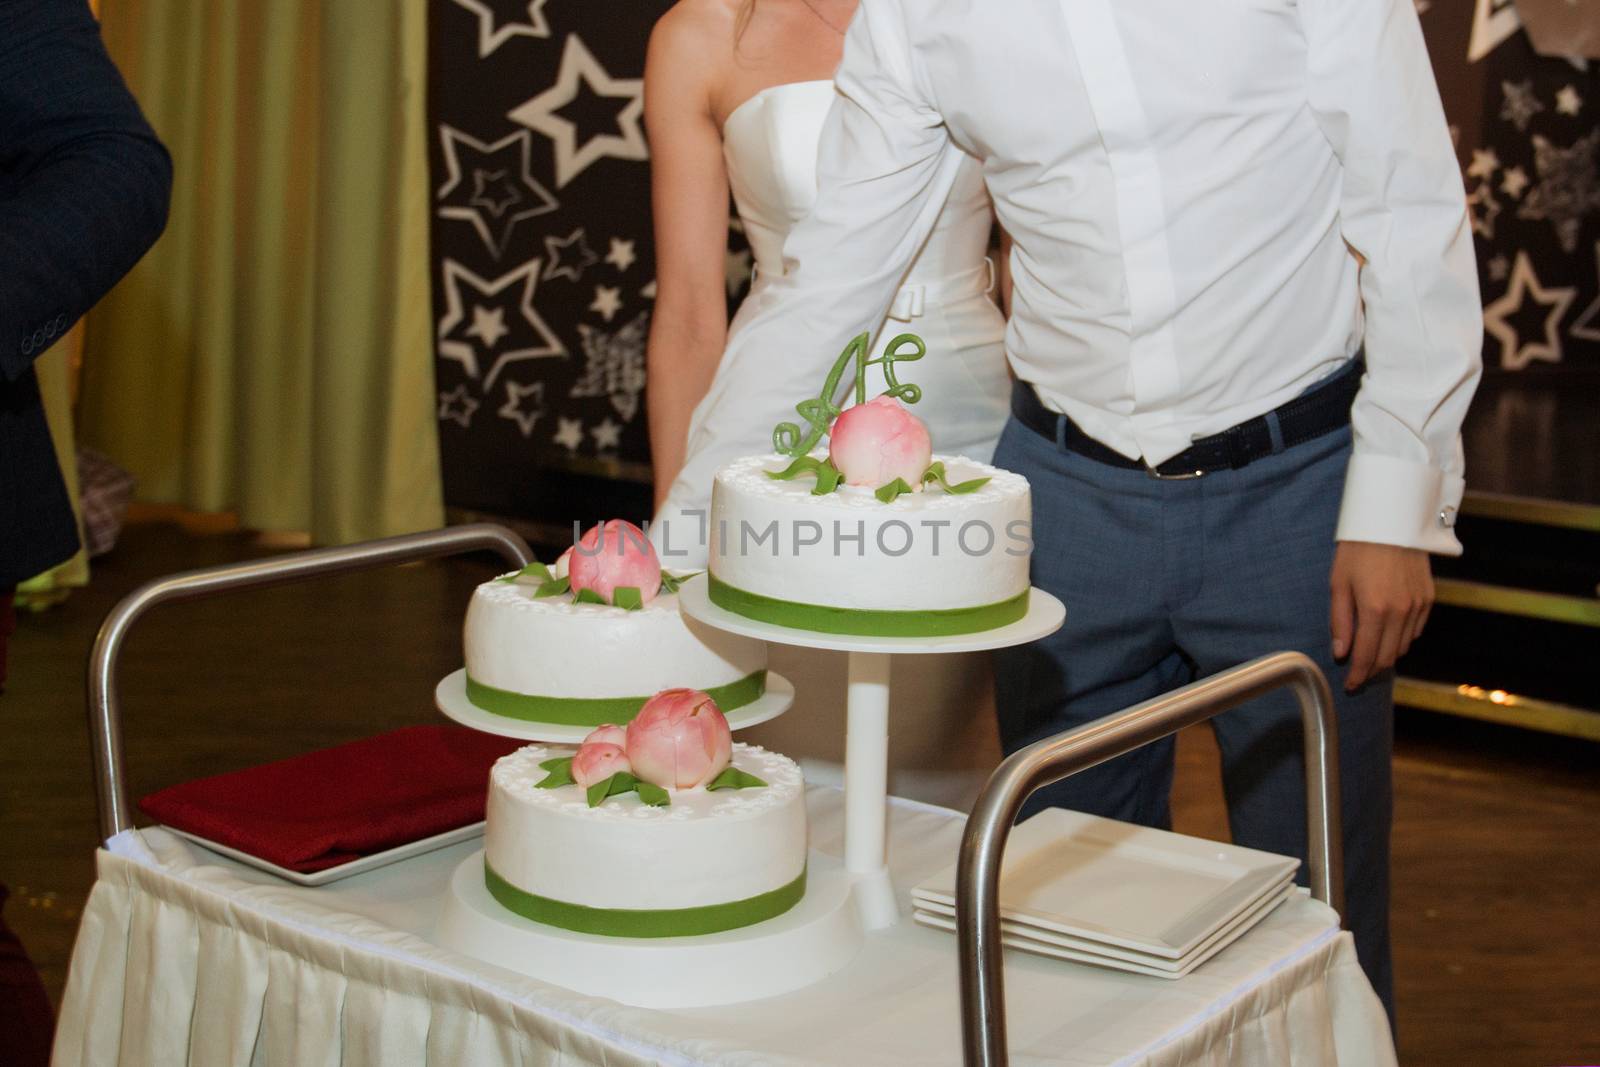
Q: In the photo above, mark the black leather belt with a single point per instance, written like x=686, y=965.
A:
x=1310, y=415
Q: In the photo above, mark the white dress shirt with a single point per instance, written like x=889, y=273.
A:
x=1180, y=179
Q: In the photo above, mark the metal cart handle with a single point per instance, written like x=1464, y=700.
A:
x=983, y=1026
x=105, y=714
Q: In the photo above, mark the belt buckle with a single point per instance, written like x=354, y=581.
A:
x=1186, y=476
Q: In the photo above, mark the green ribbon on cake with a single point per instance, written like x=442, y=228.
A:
x=864, y=622
x=597, y=711
x=630, y=922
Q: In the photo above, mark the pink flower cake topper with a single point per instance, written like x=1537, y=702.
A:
x=596, y=762
x=679, y=740
x=874, y=443
x=614, y=555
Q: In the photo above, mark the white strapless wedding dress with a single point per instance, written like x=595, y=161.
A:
x=943, y=742
x=770, y=148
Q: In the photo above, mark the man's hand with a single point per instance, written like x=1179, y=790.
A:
x=1381, y=598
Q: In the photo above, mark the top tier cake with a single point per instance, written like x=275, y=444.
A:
x=876, y=535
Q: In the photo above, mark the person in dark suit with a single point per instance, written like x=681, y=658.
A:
x=84, y=186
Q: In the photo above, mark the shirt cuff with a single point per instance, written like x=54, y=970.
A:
x=1391, y=501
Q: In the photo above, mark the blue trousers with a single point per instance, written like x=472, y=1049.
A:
x=1168, y=581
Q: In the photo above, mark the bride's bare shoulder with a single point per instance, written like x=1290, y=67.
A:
x=703, y=29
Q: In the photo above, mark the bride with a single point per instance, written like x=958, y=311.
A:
x=736, y=93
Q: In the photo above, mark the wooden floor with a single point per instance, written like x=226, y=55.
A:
x=1497, y=863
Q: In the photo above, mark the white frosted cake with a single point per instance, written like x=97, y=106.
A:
x=709, y=860
x=552, y=659
x=875, y=535
x=923, y=564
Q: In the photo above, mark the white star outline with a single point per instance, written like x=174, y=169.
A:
x=1515, y=353
x=512, y=409
x=491, y=37
x=1587, y=325
x=449, y=139
x=454, y=275
x=1482, y=220
x=462, y=415
x=539, y=114
x=574, y=269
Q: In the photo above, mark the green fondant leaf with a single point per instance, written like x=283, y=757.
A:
x=653, y=795
x=560, y=773
x=627, y=596
x=671, y=583
x=828, y=479
x=972, y=485
x=734, y=778
x=828, y=476
x=800, y=465
x=535, y=570
x=936, y=473
x=887, y=493
x=554, y=587
x=616, y=785
x=589, y=596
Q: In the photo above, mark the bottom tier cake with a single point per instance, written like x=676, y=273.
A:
x=705, y=860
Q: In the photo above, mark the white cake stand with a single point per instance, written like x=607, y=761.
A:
x=451, y=698
x=866, y=752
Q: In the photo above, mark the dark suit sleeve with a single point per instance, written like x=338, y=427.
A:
x=84, y=183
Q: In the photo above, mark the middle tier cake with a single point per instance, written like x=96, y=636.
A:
x=590, y=638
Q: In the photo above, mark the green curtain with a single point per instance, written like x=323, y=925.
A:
x=273, y=353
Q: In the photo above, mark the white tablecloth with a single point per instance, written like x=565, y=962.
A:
x=185, y=957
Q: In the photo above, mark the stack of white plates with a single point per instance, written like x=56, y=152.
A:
x=1079, y=887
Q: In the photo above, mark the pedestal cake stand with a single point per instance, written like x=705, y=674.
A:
x=866, y=755
x=805, y=944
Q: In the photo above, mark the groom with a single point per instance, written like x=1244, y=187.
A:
x=1241, y=437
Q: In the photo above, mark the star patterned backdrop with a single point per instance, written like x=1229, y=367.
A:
x=541, y=254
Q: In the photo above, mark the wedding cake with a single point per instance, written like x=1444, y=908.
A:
x=588, y=639
x=875, y=535
x=662, y=828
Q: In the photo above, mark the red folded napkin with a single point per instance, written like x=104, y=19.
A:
x=338, y=804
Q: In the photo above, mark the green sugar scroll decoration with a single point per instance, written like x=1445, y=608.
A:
x=819, y=411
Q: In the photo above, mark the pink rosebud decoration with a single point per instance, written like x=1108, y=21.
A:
x=679, y=740
x=608, y=734
x=597, y=762
x=614, y=555
x=874, y=443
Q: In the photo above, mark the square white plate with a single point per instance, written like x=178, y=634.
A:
x=1031, y=939
x=1107, y=881
x=344, y=870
